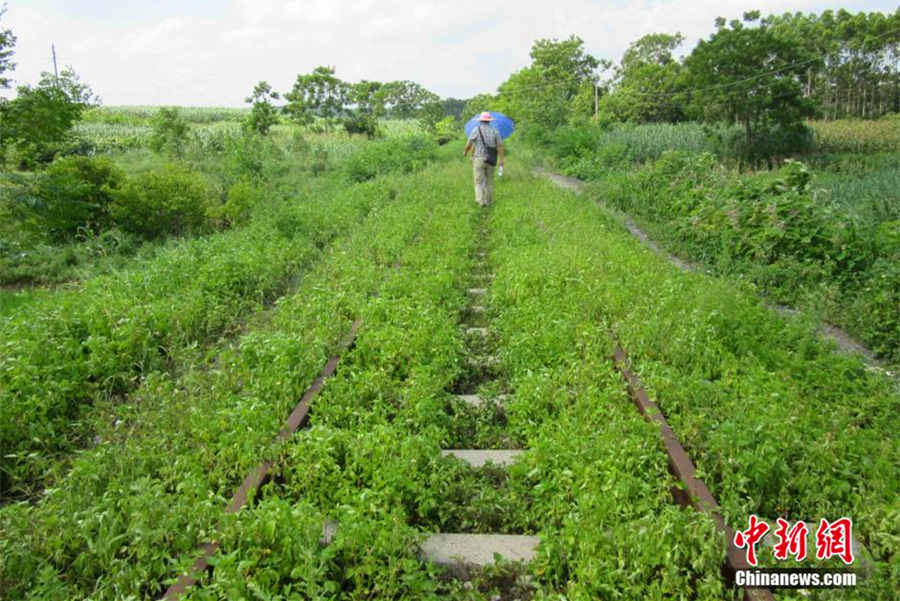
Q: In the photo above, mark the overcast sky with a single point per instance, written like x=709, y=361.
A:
x=211, y=53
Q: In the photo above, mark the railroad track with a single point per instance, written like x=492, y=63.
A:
x=480, y=393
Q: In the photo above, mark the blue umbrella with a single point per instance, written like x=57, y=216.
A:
x=503, y=124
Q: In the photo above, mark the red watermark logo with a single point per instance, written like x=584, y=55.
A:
x=833, y=539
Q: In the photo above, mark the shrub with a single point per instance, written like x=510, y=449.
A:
x=447, y=129
x=242, y=196
x=767, y=147
x=361, y=123
x=875, y=312
x=249, y=155
x=36, y=124
x=394, y=154
x=170, y=131
x=168, y=201
x=72, y=196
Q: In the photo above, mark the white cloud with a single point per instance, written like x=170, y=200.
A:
x=456, y=49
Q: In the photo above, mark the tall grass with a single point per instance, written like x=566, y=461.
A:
x=865, y=186
x=590, y=151
x=648, y=141
x=142, y=115
x=857, y=135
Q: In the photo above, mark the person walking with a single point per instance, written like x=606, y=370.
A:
x=488, y=152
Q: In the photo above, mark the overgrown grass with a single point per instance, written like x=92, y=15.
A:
x=96, y=342
x=143, y=115
x=858, y=135
x=866, y=186
x=777, y=423
x=135, y=505
x=404, y=154
x=770, y=228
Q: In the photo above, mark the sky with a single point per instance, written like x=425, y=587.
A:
x=212, y=53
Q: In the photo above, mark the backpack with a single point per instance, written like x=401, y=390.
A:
x=491, y=158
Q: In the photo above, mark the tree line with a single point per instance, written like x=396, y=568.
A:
x=767, y=74
x=321, y=97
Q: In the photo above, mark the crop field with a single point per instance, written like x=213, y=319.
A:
x=137, y=402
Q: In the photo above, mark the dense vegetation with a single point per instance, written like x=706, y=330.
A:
x=130, y=509
x=205, y=263
x=818, y=231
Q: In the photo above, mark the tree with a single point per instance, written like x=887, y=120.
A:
x=263, y=113
x=542, y=93
x=409, y=100
x=647, y=81
x=749, y=75
x=368, y=106
x=479, y=103
x=564, y=61
x=367, y=99
x=70, y=84
x=856, y=72
x=320, y=94
x=453, y=107
x=7, y=42
x=36, y=123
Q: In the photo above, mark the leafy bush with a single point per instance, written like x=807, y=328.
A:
x=773, y=228
x=394, y=154
x=447, y=129
x=170, y=131
x=240, y=199
x=362, y=123
x=36, y=124
x=167, y=201
x=71, y=197
x=767, y=147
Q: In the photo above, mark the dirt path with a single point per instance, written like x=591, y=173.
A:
x=845, y=341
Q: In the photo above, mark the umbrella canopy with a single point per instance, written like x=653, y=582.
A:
x=503, y=124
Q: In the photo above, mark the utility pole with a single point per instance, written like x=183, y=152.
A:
x=55, y=69
x=596, y=116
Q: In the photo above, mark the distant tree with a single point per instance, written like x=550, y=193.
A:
x=409, y=100
x=70, y=84
x=453, y=107
x=366, y=98
x=7, y=42
x=479, y=103
x=367, y=107
x=648, y=81
x=856, y=72
x=263, y=113
x=749, y=75
x=320, y=94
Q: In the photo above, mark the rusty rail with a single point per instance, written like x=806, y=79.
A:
x=695, y=493
x=258, y=475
